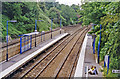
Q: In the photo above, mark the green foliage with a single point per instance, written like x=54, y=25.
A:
x=27, y=12
x=110, y=74
x=108, y=15
x=69, y=14
x=96, y=41
x=91, y=12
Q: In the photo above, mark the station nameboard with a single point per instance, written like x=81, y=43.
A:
x=115, y=71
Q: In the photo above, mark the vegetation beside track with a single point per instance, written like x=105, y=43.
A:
x=108, y=15
x=27, y=12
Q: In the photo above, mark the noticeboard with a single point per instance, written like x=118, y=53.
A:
x=106, y=62
x=106, y=59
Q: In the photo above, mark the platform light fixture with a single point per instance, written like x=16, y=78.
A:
x=7, y=38
x=51, y=27
x=36, y=29
x=99, y=44
x=98, y=51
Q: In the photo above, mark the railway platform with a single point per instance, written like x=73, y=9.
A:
x=17, y=61
x=87, y=59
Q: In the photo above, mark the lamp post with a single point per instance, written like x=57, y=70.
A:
x=36, y=29
x=94, y=36
x=99, y=44
x=98, y=51
x=60, y=25
x=51, y=28
x=7, y=38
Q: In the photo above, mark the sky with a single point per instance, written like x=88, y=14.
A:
x=69, y=2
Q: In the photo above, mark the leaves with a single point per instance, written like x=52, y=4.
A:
x=108, y=15
x=27, y=12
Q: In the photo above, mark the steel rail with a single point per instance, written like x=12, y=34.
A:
x=54, y=58
x=46, y=55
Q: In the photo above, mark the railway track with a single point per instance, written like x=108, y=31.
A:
x=55, y=67
x=29, y=68
x=66, y=69
x=57, y=62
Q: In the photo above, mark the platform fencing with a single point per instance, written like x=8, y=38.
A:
x=15, y=48
x=25, y=43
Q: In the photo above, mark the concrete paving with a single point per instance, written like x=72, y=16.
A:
x=90, y=59
x=21, y=58
x=87, y=59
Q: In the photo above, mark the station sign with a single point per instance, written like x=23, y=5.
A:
x=115, y=71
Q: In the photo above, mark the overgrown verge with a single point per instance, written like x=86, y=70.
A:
x=27, y=12
x=108, y=15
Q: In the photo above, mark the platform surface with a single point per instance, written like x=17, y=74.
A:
x=86, y=58
x=79, y=68
x=19, y=59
